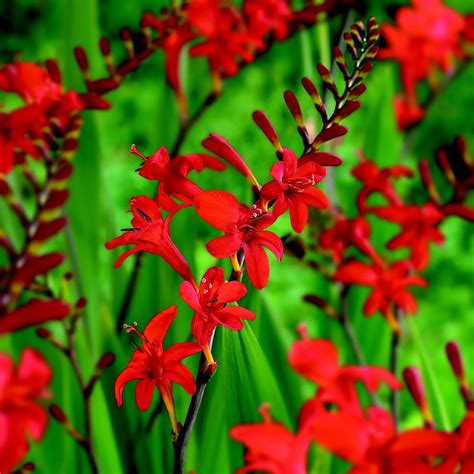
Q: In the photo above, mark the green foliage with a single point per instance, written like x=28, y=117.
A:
x=253, y=364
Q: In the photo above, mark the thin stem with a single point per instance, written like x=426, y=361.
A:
x=131, y=285
x=85, y=393
x=393, y=367
x=184, y=436
x=352, y=336
x=425, y=360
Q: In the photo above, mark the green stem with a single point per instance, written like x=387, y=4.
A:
x=426, y=363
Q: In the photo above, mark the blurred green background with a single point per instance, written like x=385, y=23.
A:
x=253, y=366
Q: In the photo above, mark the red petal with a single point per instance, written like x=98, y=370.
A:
x=126, y=376
x=315, y=197
x=224, y=246
x=298, y=212
x=257, y=264
x=231, y=291
x=156, y=329
x=34, y=372
x=189, y=295
x=353, y=444
x=356, y=272
x=144, y=393
x=180, y=374
x=316, y=359
x=219, y=209
x=179, y=351
x=234, y=312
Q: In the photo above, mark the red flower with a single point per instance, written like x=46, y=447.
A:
x=419, y=228
x=210, y=304
x=344, y=233
x=389, y=286
x=172, y=174
x=377, y=180
x=407, y=112
x=150, y=233
x=155, y=367
x=226, y=39
x=267, y=17
x=21, y=416
x=271, y=447
x=16, y=132
x=293, y=188
x=244, y=229
x=429, y=451
x=427, y=35
x=318, y=361
x=36, y=86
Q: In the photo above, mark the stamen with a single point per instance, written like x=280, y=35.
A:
x=144, y=215
x=134, y=151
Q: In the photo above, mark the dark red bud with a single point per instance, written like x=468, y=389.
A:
x=455, y=359
x=57, y=413
x=106, y=361
x=81, y=58
x=81, y=303
x=414, y=383
x=43, y=333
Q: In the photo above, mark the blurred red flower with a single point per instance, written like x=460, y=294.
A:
x=389, y=286
x=271, y=447
x=419, y=228
x=21, y=415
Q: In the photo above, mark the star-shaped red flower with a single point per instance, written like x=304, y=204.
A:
x=210, y=304
x=244, y=228
x=154, y=367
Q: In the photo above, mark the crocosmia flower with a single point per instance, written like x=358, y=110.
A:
x=419, y=228
x=318, y=361
x=293, y=189
x=150, y=233
x=22, y=417
x=172, y=174
x=271, y=447
x=389, y=286
x=244, y=228
x=210, y=303
x=154, y=367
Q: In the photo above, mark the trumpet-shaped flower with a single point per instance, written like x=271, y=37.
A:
x=154, y=366
x=389, y=286
x=271, y=447
x=293, y=189
x=172, y=174
x=150, y=233
x=419, y=228
x=210, y=305
x=244, y=228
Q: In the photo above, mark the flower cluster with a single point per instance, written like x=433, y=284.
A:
x=245, y=228
x=365, y=436
x=428, y=37
x=390, y=280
